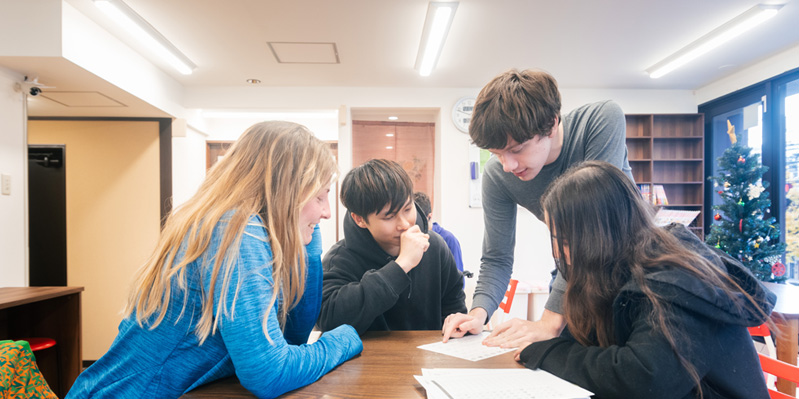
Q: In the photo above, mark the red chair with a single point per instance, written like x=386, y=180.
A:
x=505, y=305
x=508, y=301
x=779, y=369
x=38, y=344
x=763, y=331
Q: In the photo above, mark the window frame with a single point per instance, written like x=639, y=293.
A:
x=772, y=91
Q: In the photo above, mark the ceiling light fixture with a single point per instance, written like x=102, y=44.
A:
x=436, y=27
x=143, y=32
x=734, y=27
x=393, y=118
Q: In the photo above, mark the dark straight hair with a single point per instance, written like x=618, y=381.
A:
x=423, y=201
x=371, y=186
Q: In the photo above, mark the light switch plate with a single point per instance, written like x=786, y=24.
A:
x=5, y=184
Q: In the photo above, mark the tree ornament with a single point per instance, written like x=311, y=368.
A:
x=778, y=269
x=772, y=259
x=726, y=185
x=717, y=216
x=741, y=202
x=741, y=226
x=731, y=132
x=741, y=159
x=755, y=190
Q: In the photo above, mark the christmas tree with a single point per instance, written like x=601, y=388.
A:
x=745, y=230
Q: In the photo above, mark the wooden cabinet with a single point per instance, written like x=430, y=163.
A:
x=668, y=151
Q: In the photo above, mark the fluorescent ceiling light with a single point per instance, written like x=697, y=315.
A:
x=143, y=32
x=740, y=24
x=436, y=27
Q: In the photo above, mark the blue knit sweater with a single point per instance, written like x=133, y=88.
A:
x=168, y=361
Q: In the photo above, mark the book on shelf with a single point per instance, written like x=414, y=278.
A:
x=659, y=195
x=644, y=190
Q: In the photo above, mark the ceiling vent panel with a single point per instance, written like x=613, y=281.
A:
x=81, y=99
x=304, y=52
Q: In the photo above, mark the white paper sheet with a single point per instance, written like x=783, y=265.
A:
x=497, y=384
x=469, y=347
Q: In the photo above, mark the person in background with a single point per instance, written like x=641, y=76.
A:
x=454, y=245
x=234, y=284
x=389, y=272
x=517, y=118
x=651, y=312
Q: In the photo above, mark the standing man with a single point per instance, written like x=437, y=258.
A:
x=517, y=118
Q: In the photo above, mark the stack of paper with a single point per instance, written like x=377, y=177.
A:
x=497, y=383
x=469, y=347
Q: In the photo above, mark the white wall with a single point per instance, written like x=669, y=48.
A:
x=188, y=164
x=770, y=67
x=13, y=162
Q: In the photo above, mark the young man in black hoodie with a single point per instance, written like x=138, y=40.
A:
x=389, y=272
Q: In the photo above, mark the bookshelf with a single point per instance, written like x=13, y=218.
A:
x=667, y=150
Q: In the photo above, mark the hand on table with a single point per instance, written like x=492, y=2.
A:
x=514, y=332
x=457, y=325
x=518, y=333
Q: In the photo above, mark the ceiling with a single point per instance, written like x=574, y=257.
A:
x=584, y=44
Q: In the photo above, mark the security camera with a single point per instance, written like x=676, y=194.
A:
x=35, y=91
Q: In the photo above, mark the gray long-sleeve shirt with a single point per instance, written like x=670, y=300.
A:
x=592, y=132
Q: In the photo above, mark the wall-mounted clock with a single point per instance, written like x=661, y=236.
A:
x=462, y=113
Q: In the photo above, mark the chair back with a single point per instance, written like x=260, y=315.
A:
x=763, y=331
x=509, y=294
x=779, y=369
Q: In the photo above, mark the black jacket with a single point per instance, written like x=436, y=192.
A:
x=643, y=365
x=364, y=287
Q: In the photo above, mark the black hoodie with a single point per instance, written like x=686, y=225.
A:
x=364, y=287
x=642, y=364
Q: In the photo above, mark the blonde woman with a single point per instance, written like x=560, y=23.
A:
x=234, y=284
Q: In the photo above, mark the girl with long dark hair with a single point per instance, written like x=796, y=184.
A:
x=651, y=312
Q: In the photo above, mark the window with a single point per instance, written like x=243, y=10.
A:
x=766, y=116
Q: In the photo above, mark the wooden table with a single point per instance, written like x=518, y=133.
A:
x=52, y=312
x=786, y=316
x=384, y=369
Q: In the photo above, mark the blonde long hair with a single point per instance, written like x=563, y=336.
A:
x=272, y=170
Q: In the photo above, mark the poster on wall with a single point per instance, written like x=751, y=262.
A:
x=477, y=160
